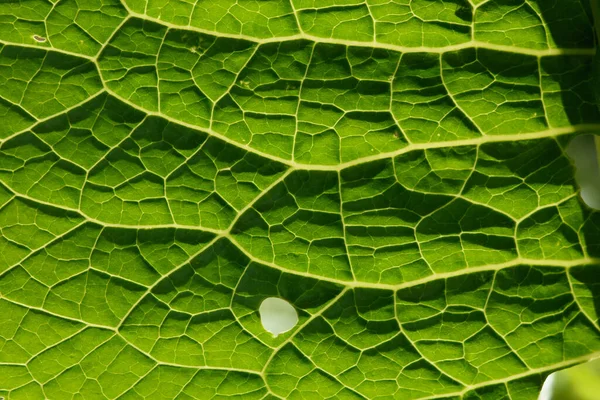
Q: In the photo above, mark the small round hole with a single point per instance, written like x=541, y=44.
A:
x=277, y=315
x=584, y=152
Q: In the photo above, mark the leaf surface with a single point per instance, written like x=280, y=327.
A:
x=395, y=170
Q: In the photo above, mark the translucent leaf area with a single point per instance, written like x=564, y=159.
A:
x=395, y=170
x=575, y=383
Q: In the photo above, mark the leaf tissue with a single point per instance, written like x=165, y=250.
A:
x=391, y=174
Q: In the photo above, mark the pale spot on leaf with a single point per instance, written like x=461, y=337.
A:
x=583, y=151
x=277, y=315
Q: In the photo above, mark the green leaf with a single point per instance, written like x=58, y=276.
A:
x=394, y=170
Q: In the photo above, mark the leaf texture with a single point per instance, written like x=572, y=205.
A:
x=394, y=169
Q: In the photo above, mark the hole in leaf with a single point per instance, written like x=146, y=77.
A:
x=585, y=152
x=277, y=315
x=581, y=382
x=548, y=387
x=39, y=39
